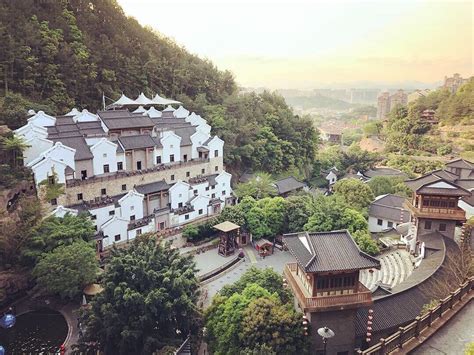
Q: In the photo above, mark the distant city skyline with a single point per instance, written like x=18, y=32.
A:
x=302, y=45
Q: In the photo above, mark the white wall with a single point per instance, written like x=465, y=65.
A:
x=223, y=184
x=102, y=214
x=104, y=152
x=466, y=207
x=216, y=144
x=131, y=205
x=41, y=119
x=179, y=192
x=197, y=139
x=116, y=226
x=45, y=168
x=61, y=211
x=201, y=189
x=375, y=228
x=120, y=157
x=149, y=228
x=29, y=131
x=62, y=153
x=85, y=116
x=199, y=203
x=37, y=145
x=171, y=145
x=331, y=177
x=158, y=152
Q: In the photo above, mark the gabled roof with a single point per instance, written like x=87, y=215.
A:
x=153, y=187
x=389, y=207
x=73, y=112
x=185, y=133
x=328, y=251
x=384, y=172
x=442, y=187
x=288, y=184
x=141, y=141
x=79, y=144
x=460, y=163
x=123, y=119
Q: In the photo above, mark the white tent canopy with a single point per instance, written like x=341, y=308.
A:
x=124, y=101
x=158, y=100
x=153, y=113
x=181, y=112
x=143, y=100
x=140, y=109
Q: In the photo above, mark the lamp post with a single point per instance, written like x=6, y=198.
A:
x=325, y=333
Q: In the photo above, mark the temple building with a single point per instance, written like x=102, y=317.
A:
x=325, y=282
x=133, y=167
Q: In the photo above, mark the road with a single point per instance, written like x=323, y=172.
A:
x=453, y=338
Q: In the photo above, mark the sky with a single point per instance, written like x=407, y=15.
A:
x=310, y=44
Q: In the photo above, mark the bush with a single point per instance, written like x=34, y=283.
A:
x=365, y=242
x=444, y=149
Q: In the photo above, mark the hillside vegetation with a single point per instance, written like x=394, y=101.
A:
x=58, y=54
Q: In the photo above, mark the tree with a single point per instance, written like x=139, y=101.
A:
x=259, y=186
x=382, y=185
x=14, y=146
x=354, y=193
x=233, y=214
x=266, y=278
x=357, y=159
x=274, y=212
x=67, y=269
x=148, y=302
x=257, y=223
x=297, y=211
x=190, y=232
x=54, y=232
x=365, y=242
x=231, y=327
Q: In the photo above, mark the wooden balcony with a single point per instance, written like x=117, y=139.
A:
x=325, y=303
x=453, y=214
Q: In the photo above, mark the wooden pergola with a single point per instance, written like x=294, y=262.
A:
x=228, y=232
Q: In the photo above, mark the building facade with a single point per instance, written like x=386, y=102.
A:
x=133, y=171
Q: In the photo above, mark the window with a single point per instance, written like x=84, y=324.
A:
x=427, y=224
x=180, y=205
x=139, y=165
x=172, y=177
x=103, y=191
x=390, y=224
x=186, y=216
x=200, y=211
x=452, y=204
x=106, y=168
x=379, y=222
x=124, y=187
x=442, y=227
x=111, y=213
x=158, y=159
x=172, y=158
x=132, y=208
x=83, y=174
x=213, y=195
x=93, y=217
x=213, y=187
x=195, y=192
x=119, y=165
x=185, y=157
x=79, y=197
x=203, y=171
x=117, y=238
x=139, y=231
x=132, y=217
x=51, y=180
x=54, y=201
x=207, y=188
x=216, y=168
x=104, y=155
x=223, y=193
x=216, y=153
x=188, y=174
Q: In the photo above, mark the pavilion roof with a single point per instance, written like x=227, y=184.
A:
x=226, y=226
x=124, y=101
x=157, y=99
x=143, y=100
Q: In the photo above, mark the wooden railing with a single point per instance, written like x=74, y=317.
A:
x=362, y=297
x=448, y=213
x=422, y=322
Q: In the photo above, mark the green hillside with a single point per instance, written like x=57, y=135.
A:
x=318, y=101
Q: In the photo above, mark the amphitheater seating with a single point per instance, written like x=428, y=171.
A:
x=396, y=266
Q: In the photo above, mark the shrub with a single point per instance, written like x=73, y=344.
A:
x=444, y=149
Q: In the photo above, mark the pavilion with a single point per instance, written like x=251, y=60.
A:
x=228, y=232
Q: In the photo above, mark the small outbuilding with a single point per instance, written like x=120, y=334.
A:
x=264, y=247
x=228, y=233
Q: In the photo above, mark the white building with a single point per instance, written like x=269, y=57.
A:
x=387, y=212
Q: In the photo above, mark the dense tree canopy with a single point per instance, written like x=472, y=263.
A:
x=148, y=302
x=381, y=185
x=67, y=269
x=355, y=193
x=298, y=210
x=248, y=317
x=259, y=186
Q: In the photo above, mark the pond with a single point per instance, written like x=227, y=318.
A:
x=38, y=332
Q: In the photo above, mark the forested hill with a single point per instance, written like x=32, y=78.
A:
x=66, y=53
x=58, y=54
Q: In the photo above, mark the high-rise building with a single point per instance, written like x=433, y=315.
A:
x=383, y=105
x=454, y=83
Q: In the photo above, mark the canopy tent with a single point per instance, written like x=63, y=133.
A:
x=153, y=113
x=143, y=100
x=158, y=100
x=140, y=109
x=124, y=101
x=73, y=112
x=181, y=112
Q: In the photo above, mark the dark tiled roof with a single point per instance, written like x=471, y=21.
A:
x=70, y=129
x=444, y=174
x=288, y=184
x=123, y=119
x=328, y=251
x=415, y=184
x=469, y=199
x=389, y=207
x=98, y=203
x=79, y=144
x=460, y=163
x=153, y=187
x=384, y=172
x=201, y=179
x=467, y=184
x=137, y=142
x=185, y=134
x=457, y=191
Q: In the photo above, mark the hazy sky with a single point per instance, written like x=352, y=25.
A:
x=303, y=44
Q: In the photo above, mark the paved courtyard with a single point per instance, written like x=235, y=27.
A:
x=210, y=260
x=453, y=337
x=276, y=261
